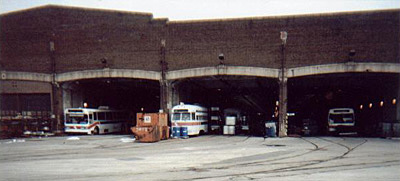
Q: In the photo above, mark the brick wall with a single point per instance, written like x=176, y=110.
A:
x=312, y=39
x=85, y=37
x=82, y=38
x=24, y=87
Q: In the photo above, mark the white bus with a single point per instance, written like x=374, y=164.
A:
x=95, y=121
x=194, y=117
x=341, y=120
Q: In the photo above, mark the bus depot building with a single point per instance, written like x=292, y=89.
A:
x=290, y=70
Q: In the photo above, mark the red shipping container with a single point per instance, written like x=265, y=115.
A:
x=151, y=119
x=147, y=134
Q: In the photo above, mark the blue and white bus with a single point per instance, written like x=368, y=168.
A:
x=341, y=120
x=194, y=117
x=95, y=121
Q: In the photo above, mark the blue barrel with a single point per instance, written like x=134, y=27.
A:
x=184, y=132
x=176, y=132
x=273, y=131
x=270, y=129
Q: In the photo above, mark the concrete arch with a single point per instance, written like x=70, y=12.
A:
x=205, y=71
x=108, y=73
x=223, y=70
x=28, y=76
x=344, y=68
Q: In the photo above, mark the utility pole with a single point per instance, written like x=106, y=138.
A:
x=283, y=90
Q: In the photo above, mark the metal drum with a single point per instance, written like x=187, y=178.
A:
x=184, y=132
x=270, y=129
x=176, y=132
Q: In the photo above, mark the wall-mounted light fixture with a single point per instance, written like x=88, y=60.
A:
x=104, y=62
x=352, y=53
x=221, y=58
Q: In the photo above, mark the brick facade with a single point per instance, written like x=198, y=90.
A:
x=85, y=37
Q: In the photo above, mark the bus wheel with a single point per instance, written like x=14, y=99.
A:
x=96, y=131
x=202, y=132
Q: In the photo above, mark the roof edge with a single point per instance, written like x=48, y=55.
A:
x=284, y=16
x=48, y=6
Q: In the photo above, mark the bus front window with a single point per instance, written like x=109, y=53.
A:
x=77, y=119
x=340, y=118
x=186, y=116
x=176, y=116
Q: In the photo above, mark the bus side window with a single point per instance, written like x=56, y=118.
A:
x=90, y=116
x=102, y=116
x=109, y=116
x=193, y=116
x=95, y=116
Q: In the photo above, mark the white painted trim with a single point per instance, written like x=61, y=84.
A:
x=108, y=73
x=205, y=71
x=344, y=68
x=223, y=70
x=29, y=76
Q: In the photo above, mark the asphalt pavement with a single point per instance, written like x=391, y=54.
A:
x=120, y=157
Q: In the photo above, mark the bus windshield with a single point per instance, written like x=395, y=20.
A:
x=185, y=116
x=77, y=119
x=340, y=118
x=181, y=116
x=176, y=116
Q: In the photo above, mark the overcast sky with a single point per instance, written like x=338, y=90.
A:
x=212, y=9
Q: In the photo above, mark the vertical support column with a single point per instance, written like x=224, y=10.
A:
x=56, y=90
x=164, y=88
x=164, y=95
x=170, y=95
x=58, y=108
x=283, y=122
x=174, y=94
x=67, y=103
x=398, y=99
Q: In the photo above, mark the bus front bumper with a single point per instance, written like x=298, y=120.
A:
x=341, y=129
x=67, y=130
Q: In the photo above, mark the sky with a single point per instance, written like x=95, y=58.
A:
x=212, y=9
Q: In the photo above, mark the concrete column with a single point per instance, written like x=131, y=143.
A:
x=398, y=99
x=164, y=84
x=171, y=96
x=67, y=98
x=283, y=121
x=57, y=107
x=164, y=95
x=77, y=98
x=72, y=96
x=174, y=94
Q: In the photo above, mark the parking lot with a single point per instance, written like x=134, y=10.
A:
x=118, y=157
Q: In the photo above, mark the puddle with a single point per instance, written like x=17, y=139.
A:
x=130, y=159
x=269, y=145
